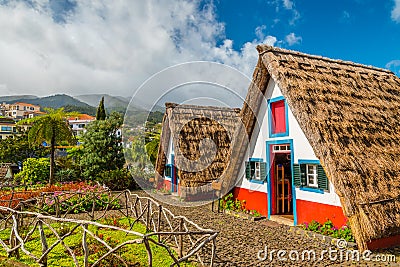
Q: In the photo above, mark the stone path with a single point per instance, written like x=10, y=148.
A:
x=239, y=241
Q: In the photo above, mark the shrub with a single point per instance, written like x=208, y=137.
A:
x=34, y=171
x=118, y=179
x=330, y=230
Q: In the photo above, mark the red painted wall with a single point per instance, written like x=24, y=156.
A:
x=278, y=117
x=167, y=185
x=308, y=211
x=385, y=242
x=254, y=200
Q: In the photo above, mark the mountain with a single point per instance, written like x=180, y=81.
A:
x=84, y=103
x=13, y=98
x=55, y=101
x=109, y=101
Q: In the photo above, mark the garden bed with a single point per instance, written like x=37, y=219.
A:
x=244, y=215
x=329, y=240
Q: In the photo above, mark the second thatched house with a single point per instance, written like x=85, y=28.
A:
x=324, y=145
x=203, y=136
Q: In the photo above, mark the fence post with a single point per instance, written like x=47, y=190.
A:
x=149, y=255
x=43, y=241
x=13, y=240
x=159, y=222
x=148, y=216
x=57, y=207
x=85, y=247
x=181, y=238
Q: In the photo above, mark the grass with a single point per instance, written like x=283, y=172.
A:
x=133, y=254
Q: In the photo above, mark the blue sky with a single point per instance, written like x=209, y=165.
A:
x=357, y=30
x=82, y=46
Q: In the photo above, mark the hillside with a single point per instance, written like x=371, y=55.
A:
x=111, y=103
x=54, y=101
x=13, y=98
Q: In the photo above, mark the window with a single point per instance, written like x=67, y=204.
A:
x=281, y=148
x=255, y=170
x=277, y=115
x=6, y=128
x=168, y=171
x=310, y=174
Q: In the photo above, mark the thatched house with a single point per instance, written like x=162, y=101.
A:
x=324, y=144
x=185, y=133
x=7, y=173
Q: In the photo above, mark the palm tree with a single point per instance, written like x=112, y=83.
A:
x=52, y=128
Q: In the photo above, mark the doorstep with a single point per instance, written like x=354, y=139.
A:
x=281, y=220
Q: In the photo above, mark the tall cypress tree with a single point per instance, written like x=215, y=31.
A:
x=101, y=111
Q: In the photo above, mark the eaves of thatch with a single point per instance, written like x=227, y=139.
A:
x=202, y=137
x=350, y=113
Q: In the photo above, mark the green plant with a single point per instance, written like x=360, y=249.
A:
x=254, y=213
x=329, y=229
x=52, y=128
x=229, y=203
x=79, y=203
x=118, y=179
x=34, y=171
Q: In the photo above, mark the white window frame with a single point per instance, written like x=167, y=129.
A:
x=257, y=171
x=313, y=175
x=281, y=148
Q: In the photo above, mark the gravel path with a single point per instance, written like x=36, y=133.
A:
x=239, y=241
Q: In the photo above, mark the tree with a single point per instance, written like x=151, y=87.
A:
x=102, y=147
x=52, y=128
x=17, y=149
x=101, y=111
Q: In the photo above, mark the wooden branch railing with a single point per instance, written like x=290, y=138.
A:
x=180, y=237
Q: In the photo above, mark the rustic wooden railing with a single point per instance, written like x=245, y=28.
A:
x=180, y=237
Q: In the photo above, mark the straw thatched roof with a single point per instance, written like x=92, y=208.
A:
x=350, y=113
x=202, y=138
x=6, y=173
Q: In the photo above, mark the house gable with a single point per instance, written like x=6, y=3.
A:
x=349, y=114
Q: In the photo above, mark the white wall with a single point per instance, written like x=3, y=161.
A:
x=301, y=149
x=169, y=152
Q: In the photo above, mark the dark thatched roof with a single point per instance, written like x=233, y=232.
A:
x=6, y=172
x=198, y=133
x=350, y=113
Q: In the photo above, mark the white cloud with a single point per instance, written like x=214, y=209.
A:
x=396, y=11
x=288, y=4
x=394, y=66
x=109, y=46
x=292, y=39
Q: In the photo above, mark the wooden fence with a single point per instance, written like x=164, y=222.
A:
x=180, y=237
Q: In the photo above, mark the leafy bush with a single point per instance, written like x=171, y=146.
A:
x=330, y=230
x=34, y=171
x=35, y=190
x=118, y=179
x=229, y=203
x=66, y=175
x=79, y=203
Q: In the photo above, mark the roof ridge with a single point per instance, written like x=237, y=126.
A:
x=264, y=48
x=187, y=106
